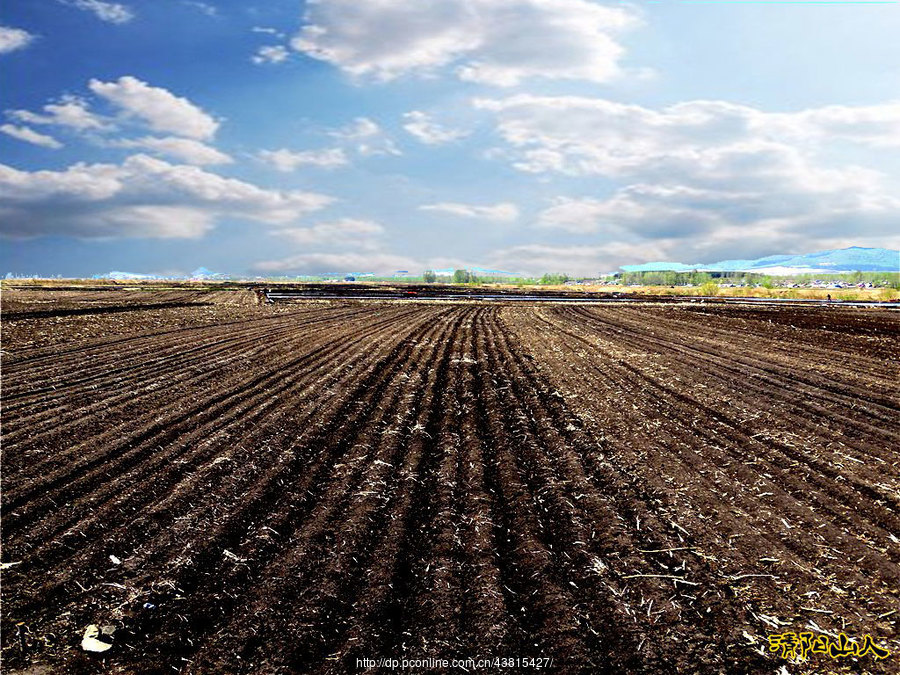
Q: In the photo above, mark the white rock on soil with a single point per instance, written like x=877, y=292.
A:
x=97, y=639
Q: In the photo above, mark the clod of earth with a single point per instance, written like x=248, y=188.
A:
x=97, y=638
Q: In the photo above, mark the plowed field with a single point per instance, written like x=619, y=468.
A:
x=258, y=489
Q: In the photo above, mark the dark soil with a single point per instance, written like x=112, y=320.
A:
x=287, y=489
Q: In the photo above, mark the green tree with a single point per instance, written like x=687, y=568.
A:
x=461, y=276
x=554, y=279
x=429, y=277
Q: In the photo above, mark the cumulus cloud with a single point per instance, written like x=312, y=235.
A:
x=487, y=41
x=340, y=263
x=184, y=149
x=12, y=39
x=344, y=232
x=583, y=136
x=504, y=212
x=690, y=225
x=29, y=135
x=580, y=216
x=111, y=12
x=361, y=127
x=202, y=7
x=270, y=54
x=332, y=239
x=875, y=125
x=152, y=108
x=288, y=160
x=142, y=197
x=266, y=30
x=421, y=126
x=70, y=111
x=655, y=211
x=591, y=260
x=366, y=137
x=700, y=170
x=682, y=224
x=159, y=108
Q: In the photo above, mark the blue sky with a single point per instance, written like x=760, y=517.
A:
x=371, y=136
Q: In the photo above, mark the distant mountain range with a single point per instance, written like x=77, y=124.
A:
x=853, y=259
x=199, y=273
x=122, y=276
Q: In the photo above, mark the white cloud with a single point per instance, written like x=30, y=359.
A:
x=265, y=30
x=650, y=211
x=693, y=219
x=504, y=212
x=876, y=125
x=111, y=12
x=686, y=224
x=202, y=7
x=336, y=237
x=30, y=136
x=704, y=168
x=580, y=216
x=361, y=127
x=142, y=197
x=341, y=263
x=288, y=160
x=344, y=232
x=420, y=125
x=12, y=39
x=270, y=54
x=591, y=260
x=155, y=108
x=158, y=107
x=496, y=42
x=70, y=112
x=583, y=136
x=366, y=137
x=185, y=149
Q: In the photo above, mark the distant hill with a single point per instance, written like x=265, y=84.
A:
x=853, y=259
x=199, y=273
x=203, y=273
x=123, y=276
